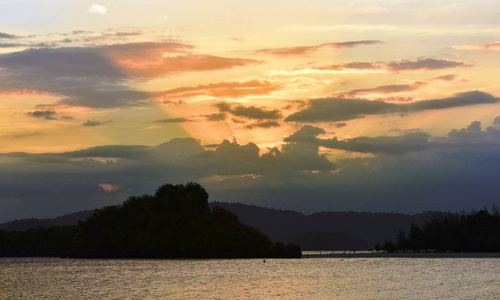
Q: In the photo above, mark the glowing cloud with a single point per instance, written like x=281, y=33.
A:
x=108, y=187
x=481, y=47
x=97, y=9
x=304, y=50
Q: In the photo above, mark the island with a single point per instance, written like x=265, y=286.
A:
x=175, y=222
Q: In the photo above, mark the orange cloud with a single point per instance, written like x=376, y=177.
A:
x=304, y=50
x=23, y=93
x=232, y=89
x=352, y=66
x=157, y=59
x=185, y=63
x=108, y=187
x=62, y=108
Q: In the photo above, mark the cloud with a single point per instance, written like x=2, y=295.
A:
x=93, y=123
x=342, y=109
x=143, y=52
x=4, y=35
x=182, y=63
x=449, y=77
x=250, y=112
x=402, y=144
x=421, y=64
x=113, y=96
x=352, y=66
x=231, y=89
x=495, y=46
x=449, y=173
x=304, y=50
x=111, y=151
x=42, y=114
x=264, y=124
x=97, y=77
x=97, y=9
x=424, y=64
x=173, y=120
x=31, y=45
x=216, y=117
x=108, y=187
x=82, y=76
x=22, y=135
x=388, y=89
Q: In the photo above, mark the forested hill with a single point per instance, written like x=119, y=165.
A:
x=319, y=231
x=176, y=222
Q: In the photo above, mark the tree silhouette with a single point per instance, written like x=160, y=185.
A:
x=473, y=232
x=174, y=223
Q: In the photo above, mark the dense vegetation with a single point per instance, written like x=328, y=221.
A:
x=174, y=223
x=473, y=232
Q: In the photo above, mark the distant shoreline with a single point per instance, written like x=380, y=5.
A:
x=404, y=255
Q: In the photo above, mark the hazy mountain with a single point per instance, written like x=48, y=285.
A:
x=25, y=224
x=336, y=230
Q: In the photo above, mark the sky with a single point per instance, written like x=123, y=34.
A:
x=381, y=106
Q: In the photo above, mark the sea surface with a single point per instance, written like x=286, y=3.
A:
x=306, y=278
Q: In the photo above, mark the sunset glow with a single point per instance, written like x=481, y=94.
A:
x=261, y=101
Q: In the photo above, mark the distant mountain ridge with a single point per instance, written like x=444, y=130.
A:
x=25, y=224
x=346, y=230
x=318, y=231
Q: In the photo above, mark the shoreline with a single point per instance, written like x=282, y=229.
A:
x=405, y=255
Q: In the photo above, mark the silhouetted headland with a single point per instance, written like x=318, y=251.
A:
x=176, y=222
x=473, y=232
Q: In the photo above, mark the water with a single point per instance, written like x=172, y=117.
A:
x=313, y=278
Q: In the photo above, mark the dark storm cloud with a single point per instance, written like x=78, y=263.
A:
x=341, y=109
x=448, y=173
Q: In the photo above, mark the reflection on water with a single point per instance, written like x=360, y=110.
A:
x=319, y=278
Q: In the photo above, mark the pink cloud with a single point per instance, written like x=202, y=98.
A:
x=481, y=47
x=304, y=50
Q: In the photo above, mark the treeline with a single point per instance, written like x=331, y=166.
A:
x=466, y=232
x=174, y=223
